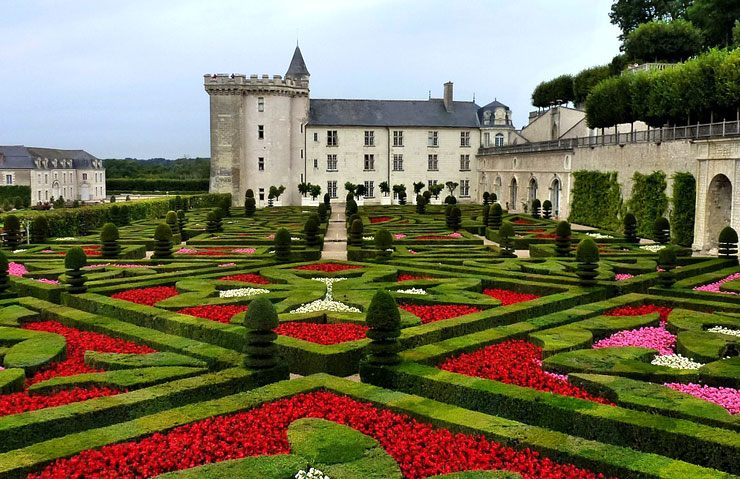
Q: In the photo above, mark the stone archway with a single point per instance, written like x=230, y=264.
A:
x=718, y=210
x=498, y=189
x=532, y=189
x=513, y=194
x=555, y=188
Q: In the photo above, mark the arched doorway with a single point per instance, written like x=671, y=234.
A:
x=513, y=194
x=55, y=191
x=498, y=188
x=532, y=189
x=555, y=188
x=718, y=209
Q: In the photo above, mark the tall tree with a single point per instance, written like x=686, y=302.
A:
x=671, y=42
x=715, y=18
x=629, y=14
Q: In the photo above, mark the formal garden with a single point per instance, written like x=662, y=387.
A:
x=184, y=338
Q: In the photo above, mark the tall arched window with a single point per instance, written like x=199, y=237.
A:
x=513, y=195
x=499, y=139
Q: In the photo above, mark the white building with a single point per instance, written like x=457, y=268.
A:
x=50, y=173
x=267, y=131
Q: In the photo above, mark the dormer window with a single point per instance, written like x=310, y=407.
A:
x=487, y=117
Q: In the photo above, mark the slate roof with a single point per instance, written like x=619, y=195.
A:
x=297, y=66
x=464, y=114
x=494, y=104
x=21, y=157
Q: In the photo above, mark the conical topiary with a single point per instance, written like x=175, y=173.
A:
x=260, y=350
x=351, y=220
x=383, y=244
x=355, y=233
x=249, y=193
x=171, y=220
x=351, y=207
x=547, y=209
x=4, y=275
x=74, y=261
x=124, y=215
x=662, y=230
x=178, y=202
x=666, y=265
x=562, y=239
x=109, y=241
x=630, y=228
x=384, y=320
x=421, y=205
x=181, y=222
x=212, y=222
x=587, y=256
x=327, y=201
x=114, y=214
x=494, y=216
x=162, y=242
x=12, y=231
x=39, y=230
x=486, y=198
x=311, y=230
x=225, y=206
x=485, y=210
x=427, y=196
x=455, y=218
x=448, y=211
x=219, y=212
x=506, y=232
x=282, y=245
x=323, y=213
x=536, y=205
x=250, y=207
x=727, y=242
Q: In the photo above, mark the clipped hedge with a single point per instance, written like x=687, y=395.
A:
x=597, y=199
x=11, y=192
x=648, y=200
x=156, y=184
x=683, y=212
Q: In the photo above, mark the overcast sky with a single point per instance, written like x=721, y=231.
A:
x=125, y=79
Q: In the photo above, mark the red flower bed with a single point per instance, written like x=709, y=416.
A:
x=89, y=251
x=147, y=296
x=328, y=267
x=435, y=237
x=247, y=278
x=537, y=230
x=522, y=222
x=323, y=333
x=380, y=219
x=642, y=310
x=421, y=450
x=547, y=236
x=215, y=312
x=438, y=312
x=515, y=362
x=77, y=343
x=508, y=297
x=408, y=277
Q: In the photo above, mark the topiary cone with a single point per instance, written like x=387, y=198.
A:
x=323, y=212
x=547, y=209
x=355, y=232
x=562, y=239
x=494, y=216
x=630, y=228
x=662, y=230
x=505, y=232
x=383, y=243
x=421, y=205
x=250, y=206
x=211, y=222
x=536, y=208
x=484, y=212
x=260, y=349
x=74, y=261
x=587, y=256
x=12, y=231
x=311, y=230
x=282, y=245
x=455, y=218
x=171, y=220
x=109, y=241
x=162, y=242
x=39, y=230
x=727, y=242
x=384, y=320
x=666, y=265
x=4, y=275
x=181, y=222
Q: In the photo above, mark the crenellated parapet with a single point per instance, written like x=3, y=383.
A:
x=238, y=84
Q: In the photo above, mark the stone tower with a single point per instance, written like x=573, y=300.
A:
x=258, y=132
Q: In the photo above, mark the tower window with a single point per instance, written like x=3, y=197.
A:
x=331, y=162
x=261, y=103
x=261, y=132
x=261, y=163
x=315, y=162
x=331, y=137
x=499, y=139
x=262, y=194
x=397, y=162
x=464, y=162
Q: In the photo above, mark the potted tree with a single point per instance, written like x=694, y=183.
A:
x=360, y=195
x=315, y=192
x=385, y=189
x=451, y=186
x=304, y=189
x=399, y=191
x=276, y=193
x=436, y=189
x=418, y=186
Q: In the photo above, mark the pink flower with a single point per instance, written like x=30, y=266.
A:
x=623, y=276
x=48, y=281
x=270, y=236
x=224, y=265
x=728, y=398
x=244, y=250
x=399, y=235
x=185, y=251
x=16, y=269
x=714, y=287
x=657, y=338
x=412, y=251
x=455, y=235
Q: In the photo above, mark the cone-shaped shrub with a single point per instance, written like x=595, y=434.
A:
x=181, y=222
x=12, y=231
x=323, y=212
x=171, y=220
x=124, y=215
x=327, y=201
x=486, y=197
x=536, y=205
x=427, y=196
x=447, y=211
x=455, y=218
x=178, y=202
x=506, y=233
x=109, y=241
x=562, y=239
x=494, y=216
x=219, y=217
x=485, y=210
x=355, y=232
x=115, y=214
x=4, y=275
x=225, y=206
x=260, y=349
x=384, y=321
x=547, y=209
x=662, y=230
x=162, y=242
x=383, y=243
x=630, y=228
x=282, y=245
x=39, y=230
x=402, y=198
x=249, y=193
x=351, y=207
x=421, y=205
x=666, y=265
x=351, y=220
x=311, y=230
x=587, y=256
x=74, y=261
x=727, y=242
x=250, y=206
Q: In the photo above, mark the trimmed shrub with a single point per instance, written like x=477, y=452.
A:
x=486, y=197
x=311, y=230
x=506, y=232
x=450, y=200
x=250, y=206
x=587, y=256
x=249, y=193
x=630, y=228
x=4, y=276
x=327, y=201
x=115, y=215
x=384, y=320
x=494, y=216
x=12, y=231
x=661, y=230
x=355, y=232
x=74, y=261
x=323, y=212
x=648, y=200
x=667, y=263
x=162, y=242
x=282, y=245
x=124, y=215
x=536, y=205
x=427, y=196
x=113, y=199
x=421, y=205
x=547, y=209
x=484, y=212
x=109, y=241
x=171, y=220
x=181, y=222
x=350, y=208
x=562, y=239
x=597, y=199
x=260, y=349
x=39, y=230
x=225, y=205
x=683, y=212
x=383, y=243
x=402, y=197
x=455, y=218
x=211, y=222
x=727, y=242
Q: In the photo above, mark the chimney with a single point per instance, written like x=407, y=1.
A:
x=448, y=96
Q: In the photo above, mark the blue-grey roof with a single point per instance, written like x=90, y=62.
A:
x=464, y=114
x=22, y=157
x=297, y=66
x=494, y=104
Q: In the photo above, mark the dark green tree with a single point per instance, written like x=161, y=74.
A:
x=506, y=233
x=629, y=14
x=494, y=217
x=162, y=242
x=584, y=82
x=557, y=90
x=662, y=230
x=630, y=228
x=587, y=257
x=486, y=197
x=648, y=200
x=661, y=41
x=311, y=230
x=484, y=212
x=260, y=350
x=211, y=222
x=250, y=207
x=323, y=213
x=109, y=241
x=327, y=201
x=12, y=228
x=225, y=206
x=182, y=221
x=171, y=220
x=421, y=205
x=383, y=243
x=562, y=239
x=683, y=211
x=4, y=275
x=350, y=208
x=282, y=246
x=355, y=233
x=39, y=230
x=536, y=207
x=455, y=218
x=74, y=261
x=547, y=209
x=716, y=19
x=727, y=243
x=666, y=265
x=384, y=320
x=124, y=215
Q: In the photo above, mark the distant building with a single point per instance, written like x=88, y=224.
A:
x=51, y=173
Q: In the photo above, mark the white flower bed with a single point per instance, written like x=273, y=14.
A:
x=368, y=238
x=327, y=303
x=653, y=248
x=241, y=292
x=675, y=361
x=311, y=474
x=65, y=238
x=723, y=330
x=411, y=291
x=16, y=251
x=599, y=236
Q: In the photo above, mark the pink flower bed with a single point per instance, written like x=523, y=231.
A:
x=623, y=276
x=455, y=235
x=244, y=250
x=728, y=398
x=714, y=287
x=16, y=269
x=657, y=338
x=226, y=265
x=399, y=235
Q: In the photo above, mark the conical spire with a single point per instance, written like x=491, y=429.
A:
x=297, y=68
